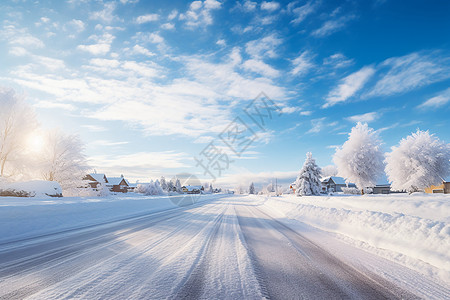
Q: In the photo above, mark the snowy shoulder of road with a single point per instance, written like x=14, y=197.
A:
x=413, y=230
x=22, y=217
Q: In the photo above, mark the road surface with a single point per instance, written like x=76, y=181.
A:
x=228, y=248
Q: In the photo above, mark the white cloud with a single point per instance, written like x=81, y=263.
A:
x=438, y=101
x=221, y=42
x=107, y=143
x=365, y=118
x=20, y=37
x=102, y=47
x=113, y=67
x=263, y=47
x=50, y=63
x=260, y=67
x=317, y=125
x=147, y=18
x=168, y=26
x=106, y=14
x=290, y=109
x=18, y=51
x=173, y=14
x=410, y=72
x=199, y=13
x=129, y=1
x=349, y=86
x=270, y=6
x=302, y=64
x=94, y=128
x=337, y=60
x=306, y=113
x=141, y=50
x=152, y=37
x=332, y=26
x=303, y=11
x=136, y=164
x=198, y=102
x=49, y=104
x=77, y=25
x=249, y=5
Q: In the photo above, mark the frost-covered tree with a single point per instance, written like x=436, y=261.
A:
x=419, y=161
x=239, y=189
x=308, y=180
x=152, y=188
x=251, y=189
x=211, y=190
x=329, y=170
x=163, y=183
x=360, y=159
x=178, y=186
x=158, y=189
x=17, y=120
x=62, y=160
x=170, y=186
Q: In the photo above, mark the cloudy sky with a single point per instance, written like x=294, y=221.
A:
x=149, y=85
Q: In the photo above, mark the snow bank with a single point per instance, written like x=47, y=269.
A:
x=27, y=217
x=34, y=188
x=416, y=226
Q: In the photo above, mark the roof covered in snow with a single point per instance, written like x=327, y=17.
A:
x=99, y=177
x=117, y=181
x=337, y=180
x=192, y=187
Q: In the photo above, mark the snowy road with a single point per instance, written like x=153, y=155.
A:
x=225, y=248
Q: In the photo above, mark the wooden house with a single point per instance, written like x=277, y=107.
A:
x=118, y=184
x=95, y=179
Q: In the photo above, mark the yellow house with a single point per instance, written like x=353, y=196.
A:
x=444, y=188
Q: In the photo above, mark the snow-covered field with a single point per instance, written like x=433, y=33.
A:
x=28, y=217
x=413, y=230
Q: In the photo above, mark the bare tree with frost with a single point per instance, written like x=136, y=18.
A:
x=62, y=160
x=17, y=120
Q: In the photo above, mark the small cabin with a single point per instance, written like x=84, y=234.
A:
x=118, y=184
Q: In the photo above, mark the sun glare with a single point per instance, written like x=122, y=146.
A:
x=35, y=143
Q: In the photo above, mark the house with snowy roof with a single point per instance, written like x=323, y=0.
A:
x=118, y=184
x=95, y=179
x=192, y=189
x=443, y=188
x=334, y=184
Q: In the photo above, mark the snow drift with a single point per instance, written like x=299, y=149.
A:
x=413, y=229
x=34, y=188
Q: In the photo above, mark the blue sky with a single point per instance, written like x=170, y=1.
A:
x=149, y=85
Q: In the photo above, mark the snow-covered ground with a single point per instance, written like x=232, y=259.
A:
x=413, y=230
x=28, y=217
x=225, y=246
